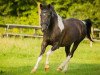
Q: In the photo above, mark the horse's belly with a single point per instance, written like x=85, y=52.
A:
x=68, y=40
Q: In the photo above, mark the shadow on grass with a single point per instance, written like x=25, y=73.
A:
x=74, y=69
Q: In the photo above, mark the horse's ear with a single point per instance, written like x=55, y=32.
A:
x=50, y=6
x=41, y=6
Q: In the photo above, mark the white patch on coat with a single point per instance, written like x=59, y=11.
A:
x=60, y=23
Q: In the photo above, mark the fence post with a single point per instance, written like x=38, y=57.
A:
x=92, y=32
x=92, y=35
x=99, y=34
x=35, y=33
x=21, y=30
x=7, y=31
x=39, y=11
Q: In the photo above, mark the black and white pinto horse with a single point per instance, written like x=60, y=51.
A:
x=60, y=32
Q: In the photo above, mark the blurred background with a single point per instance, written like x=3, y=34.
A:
x=20, y=18
x=26, y=12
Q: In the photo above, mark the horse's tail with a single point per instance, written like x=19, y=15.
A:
x=88, y=24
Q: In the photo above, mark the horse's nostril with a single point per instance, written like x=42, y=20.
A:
x=44, y=26
x=42, y=29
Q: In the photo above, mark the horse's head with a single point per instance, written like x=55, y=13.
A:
x=46, y=15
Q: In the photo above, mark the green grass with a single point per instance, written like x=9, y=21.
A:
x=18, y=57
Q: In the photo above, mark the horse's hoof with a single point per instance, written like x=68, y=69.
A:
x=59, y=69
x=64, y=71
x=46, y=68
x=33, y=71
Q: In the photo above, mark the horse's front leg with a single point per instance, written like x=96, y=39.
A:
x=43, y=48
x=48, y=54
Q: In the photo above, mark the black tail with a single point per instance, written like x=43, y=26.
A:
x=89, y=25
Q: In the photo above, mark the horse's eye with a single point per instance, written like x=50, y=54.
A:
x=44, y=14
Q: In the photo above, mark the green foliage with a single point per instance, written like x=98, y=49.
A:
x=19, y=12
x=80, y=9
x=26, y=11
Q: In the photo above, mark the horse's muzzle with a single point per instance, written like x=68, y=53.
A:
x=44, y=27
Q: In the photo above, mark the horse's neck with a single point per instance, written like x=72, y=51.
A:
x=53, y=30
x=53, y=23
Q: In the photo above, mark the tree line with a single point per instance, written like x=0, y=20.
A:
x=26, y=11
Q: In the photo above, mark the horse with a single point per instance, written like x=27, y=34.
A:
x=59, y=32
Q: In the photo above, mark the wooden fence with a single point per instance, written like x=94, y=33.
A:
x=20, y=27
x=95, y=31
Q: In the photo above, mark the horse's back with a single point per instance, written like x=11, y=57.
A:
x=74, y=30
x=74, y=25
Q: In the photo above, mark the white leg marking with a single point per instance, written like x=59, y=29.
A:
x=39, y=59
x=68, y=58
x=60, y=23
x=61, y=65
x=47, y=58
x=66, y=63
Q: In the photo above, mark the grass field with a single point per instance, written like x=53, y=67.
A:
x=18, y=56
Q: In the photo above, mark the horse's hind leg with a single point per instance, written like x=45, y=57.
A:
x=70, y=55
x=74, y=48
x=67, y=51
